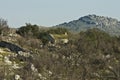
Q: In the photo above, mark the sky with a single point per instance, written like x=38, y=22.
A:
x=53, y=12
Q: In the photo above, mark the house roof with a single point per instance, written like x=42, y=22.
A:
x=59, y=36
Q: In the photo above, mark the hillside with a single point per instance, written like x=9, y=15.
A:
x=107, y=24
x=28, y=54
x=89, y=55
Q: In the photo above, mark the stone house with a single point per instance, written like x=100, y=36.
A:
x=58, y=38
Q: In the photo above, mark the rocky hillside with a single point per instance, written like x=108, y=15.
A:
x=89, y=55
x=107, y=24
x=16, y=62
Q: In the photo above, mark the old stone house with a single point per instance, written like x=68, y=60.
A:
x=58, y=38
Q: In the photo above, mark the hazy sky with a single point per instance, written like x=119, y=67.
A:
x=52, y=12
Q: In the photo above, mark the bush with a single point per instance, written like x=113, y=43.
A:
x=29, y=31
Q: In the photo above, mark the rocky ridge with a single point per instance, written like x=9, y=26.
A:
x=107, y=24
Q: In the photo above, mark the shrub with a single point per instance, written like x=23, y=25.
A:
x=29, y=31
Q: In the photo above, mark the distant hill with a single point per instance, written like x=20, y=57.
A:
x=107, y=24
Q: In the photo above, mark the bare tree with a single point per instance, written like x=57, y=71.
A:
x=3, y=26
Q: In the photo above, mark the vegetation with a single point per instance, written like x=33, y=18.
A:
x=29, y=30
x=33, y=31
x=90, y=55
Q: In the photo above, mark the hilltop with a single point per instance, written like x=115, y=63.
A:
x=107, y=24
